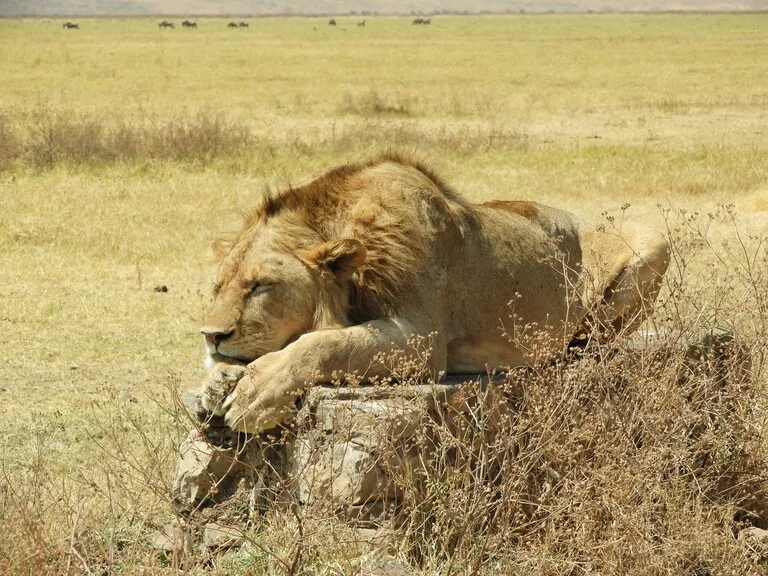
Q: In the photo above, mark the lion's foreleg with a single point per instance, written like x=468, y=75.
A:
x=267, y=393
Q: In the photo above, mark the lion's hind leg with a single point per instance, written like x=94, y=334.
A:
x=622, y=274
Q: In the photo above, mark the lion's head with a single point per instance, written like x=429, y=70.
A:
x=275, y=283
x=326, y=253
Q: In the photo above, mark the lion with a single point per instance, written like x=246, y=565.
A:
x=330, y=274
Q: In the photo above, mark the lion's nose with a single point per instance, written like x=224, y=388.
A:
x=215, y=335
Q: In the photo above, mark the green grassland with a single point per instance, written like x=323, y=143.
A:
x=99, y=205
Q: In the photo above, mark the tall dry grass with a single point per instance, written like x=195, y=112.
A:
x=48, y=136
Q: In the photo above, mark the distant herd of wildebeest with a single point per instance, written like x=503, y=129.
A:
x=242, y=24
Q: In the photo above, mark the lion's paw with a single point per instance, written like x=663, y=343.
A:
x=218, y=385
x=265, y=397
x=254, y=419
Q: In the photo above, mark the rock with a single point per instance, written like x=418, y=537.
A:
x=347, y=472
x=345, y=451
x=217, y=536
x=641, y=339
x=385, y=566
x=218, y=466
x=193, y=400
x=173, y=538
x=353, y=441
x=202, y=470
x=755, y=540
x=372, y=514
x=161, y=540
x=396, y=417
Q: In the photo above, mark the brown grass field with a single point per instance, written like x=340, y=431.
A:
x=125, y=150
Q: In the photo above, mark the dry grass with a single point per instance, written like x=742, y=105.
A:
x=124, y=152
x=46, y=137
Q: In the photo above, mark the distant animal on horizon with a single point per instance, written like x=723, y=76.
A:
x=243, y=24
x=232, y=25
x=418, y=21
x=165, y=24
x=70, y=25
x=361, y=23
x=189, y=24
x=331, y=22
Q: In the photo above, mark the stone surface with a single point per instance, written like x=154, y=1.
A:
x=161, y=540
x=352, y=442
x=218, y=466
x=641, y=339
x=217, y=536
x=174, y=538
x=202, y=470
x=755, y=540
x=343, y=458
x=193, y=399
x=214, y=463
x=385, y=566
x=347, y=445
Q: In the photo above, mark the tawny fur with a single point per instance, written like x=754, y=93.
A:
x=326, y=274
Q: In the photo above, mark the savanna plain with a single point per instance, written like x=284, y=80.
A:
x=126, y=150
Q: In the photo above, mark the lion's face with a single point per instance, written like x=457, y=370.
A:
x=268, y=295
x=264, y=300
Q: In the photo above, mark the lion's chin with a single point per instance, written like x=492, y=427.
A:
x=214, y=355
x=211, y=359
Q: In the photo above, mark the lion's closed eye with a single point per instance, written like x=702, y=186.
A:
x=260, y=289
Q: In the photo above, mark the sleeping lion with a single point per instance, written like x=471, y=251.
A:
x=329, y=275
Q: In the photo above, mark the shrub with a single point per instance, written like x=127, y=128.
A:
x=54, y=136
x=10, y=148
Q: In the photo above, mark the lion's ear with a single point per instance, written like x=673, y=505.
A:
x=221, y=248
x=341, y=257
